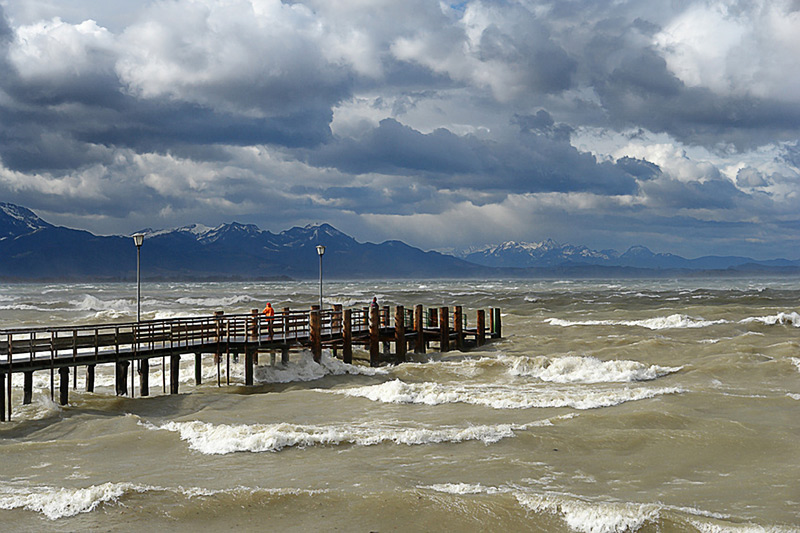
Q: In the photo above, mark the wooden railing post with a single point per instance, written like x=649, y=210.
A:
x=480, y=339
x=253, y=337
x=374, y=335
x=400, y=334
x=315, y=332
x=347, y=336
x=419, y=326
x=458, y=326
x=444, y=329
x=286, y=313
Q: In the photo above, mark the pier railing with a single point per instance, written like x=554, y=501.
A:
x=25, y=350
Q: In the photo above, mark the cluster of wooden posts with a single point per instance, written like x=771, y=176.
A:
x=60, y=349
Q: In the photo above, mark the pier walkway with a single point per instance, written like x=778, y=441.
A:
x=59, y=349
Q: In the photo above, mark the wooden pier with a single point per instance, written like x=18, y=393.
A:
x=59, y=349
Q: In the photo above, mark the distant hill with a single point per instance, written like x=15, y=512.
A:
x=32, y=249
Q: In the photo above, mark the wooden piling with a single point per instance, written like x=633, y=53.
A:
x=498, y=325
x=27, y=388
x=374, y=335
x=285, y=355
x=400, y=347
x=121, y=375
x=90, y=378
x=63, y=397
x=458, y=326
x=174, y=373
x=3, y=396
x=198, y=368
x=144, y=377
x=248, y=365
x=347, y=336
x=315, y=332
x=444, y=329
x=480, y=338
x=419, y=326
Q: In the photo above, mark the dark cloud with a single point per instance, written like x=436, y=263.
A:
x=599, y=113
x=535, y=163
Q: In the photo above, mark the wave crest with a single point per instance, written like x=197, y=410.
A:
x=224, y=439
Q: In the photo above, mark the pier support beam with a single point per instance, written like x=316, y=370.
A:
x=144, y=377
x=480, y=338
x=400, y=347
x=419, y=327
x=374, y=335
x=458, y=327
x=198, y=368
x=285, y=356
x=315, y=332
x=444, y=329
x=63, y=388
x=27, y=388
x=121, y=376
x=3, y=396
x=90, y=378
x=248, y=365
x=347, y=336
x=497, y=329
x=174, y=373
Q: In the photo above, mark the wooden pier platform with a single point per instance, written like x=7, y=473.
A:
x=59, y=349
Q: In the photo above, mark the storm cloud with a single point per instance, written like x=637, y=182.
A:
x=602, y=123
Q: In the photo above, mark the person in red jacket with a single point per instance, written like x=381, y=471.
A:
x=269, y=313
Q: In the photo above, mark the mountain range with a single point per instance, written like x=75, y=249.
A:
x=33, y=249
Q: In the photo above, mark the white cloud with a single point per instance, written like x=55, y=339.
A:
x=740, y=48
x=54, y=49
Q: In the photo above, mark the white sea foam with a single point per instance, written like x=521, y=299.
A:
x=796, y=362
x=62, y=502
x=92, y=303
x=586, y=517
x=306, y=369
x=216, y=302
x=501, y=396
x=575, y=369
x=675, y=321
x=222, y=439
x=783, y=319
x=582, y=516
x=465, y=488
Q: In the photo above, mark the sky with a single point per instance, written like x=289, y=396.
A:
x=604, y=123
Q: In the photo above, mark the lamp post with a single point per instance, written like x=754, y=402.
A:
x=320, y=251
x=138, y=239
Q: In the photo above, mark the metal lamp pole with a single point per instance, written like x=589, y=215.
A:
x=320, y=251
x=138, y=239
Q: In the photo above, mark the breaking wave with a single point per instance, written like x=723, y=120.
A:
x=501, y=396
x=224, y=439
x=306, y=369
x=783, y=319
x=575, y=369
x=675, y=321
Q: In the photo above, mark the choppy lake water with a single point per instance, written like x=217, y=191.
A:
x=608, y=406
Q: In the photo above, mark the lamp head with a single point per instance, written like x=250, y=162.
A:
x=320, y=250
x=138, y=239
